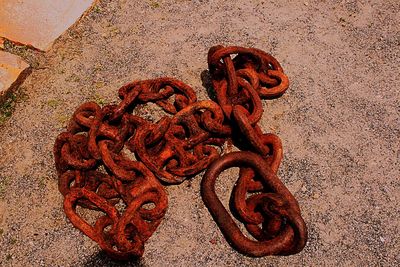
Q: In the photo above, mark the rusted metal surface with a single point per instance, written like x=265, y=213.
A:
x=270, y=204
x=97, y=171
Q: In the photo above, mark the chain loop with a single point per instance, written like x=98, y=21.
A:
x=287, y=238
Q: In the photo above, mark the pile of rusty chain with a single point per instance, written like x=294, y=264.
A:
x=115, y=162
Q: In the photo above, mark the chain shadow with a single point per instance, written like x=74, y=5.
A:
x=101, y=259
x=205, y=77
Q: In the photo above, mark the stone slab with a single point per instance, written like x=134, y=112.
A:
x=39, y=23
x=13, y=70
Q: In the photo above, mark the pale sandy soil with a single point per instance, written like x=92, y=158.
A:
x=339, y=122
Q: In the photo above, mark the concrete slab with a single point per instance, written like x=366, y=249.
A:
x=39, y=23
x=13, y=70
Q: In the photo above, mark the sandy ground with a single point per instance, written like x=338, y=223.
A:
x=339, y=122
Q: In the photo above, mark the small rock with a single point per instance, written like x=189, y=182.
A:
x=304, y=188
x=315, y=196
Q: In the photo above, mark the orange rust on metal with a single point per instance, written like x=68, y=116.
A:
x=96, y=171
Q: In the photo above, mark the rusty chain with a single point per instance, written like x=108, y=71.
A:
x=114, y=162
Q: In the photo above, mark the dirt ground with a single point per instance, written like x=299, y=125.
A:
x=339, y=123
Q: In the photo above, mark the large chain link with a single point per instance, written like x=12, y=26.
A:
x=97, y=170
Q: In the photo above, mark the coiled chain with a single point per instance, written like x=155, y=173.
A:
x=115, y=162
